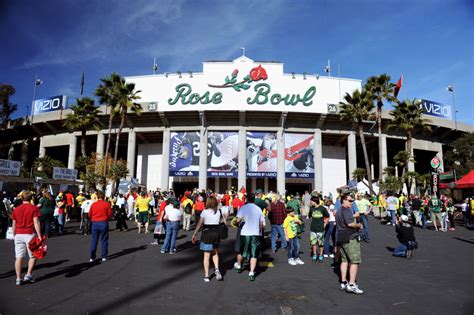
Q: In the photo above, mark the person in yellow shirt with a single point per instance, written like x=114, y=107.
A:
x=141, y=211
x=290, y=226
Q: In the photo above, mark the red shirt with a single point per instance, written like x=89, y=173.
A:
x=227, y=198
x=100, y=211
x=23, y=215
x=199, y=206
x=70, y=199
x=237, y=203
x=277, y=213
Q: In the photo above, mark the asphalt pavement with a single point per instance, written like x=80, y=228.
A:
x=138, y=279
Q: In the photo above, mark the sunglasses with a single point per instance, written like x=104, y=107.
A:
x=350, y=200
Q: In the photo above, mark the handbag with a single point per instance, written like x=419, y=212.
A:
x=10, y=233
x=223, y=229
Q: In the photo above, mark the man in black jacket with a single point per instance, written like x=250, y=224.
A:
x=406, y=237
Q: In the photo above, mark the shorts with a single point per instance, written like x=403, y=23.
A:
x=436, y=215
x=21, y=245
x=208, y=247
x=305, y=211
x=250, y=246
x=350, y=252
x=316, y=238
x=143, y=217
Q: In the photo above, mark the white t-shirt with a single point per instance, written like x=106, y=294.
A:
x=332, y=218
x=173, y=213
x=252, y=215
x=86, y=206
x=120, y=201
x=211, y=218
x=392, y=203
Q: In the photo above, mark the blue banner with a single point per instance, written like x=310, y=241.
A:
x=185, y=148
x=51, y=104
x=436, y=109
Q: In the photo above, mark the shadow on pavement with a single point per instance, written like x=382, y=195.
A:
x=390, y=249
x=463, y=240
x=37, y=267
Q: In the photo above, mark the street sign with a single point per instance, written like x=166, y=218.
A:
x=64, y=173
x=446, y=175
x=10, y=168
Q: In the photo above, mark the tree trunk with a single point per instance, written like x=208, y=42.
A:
x=83, y=143
x=107, y=147
x=409, y=149
x=379, y=131
x=122, y=123
x=366, y=157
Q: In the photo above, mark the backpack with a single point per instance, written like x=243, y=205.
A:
x=188, y=209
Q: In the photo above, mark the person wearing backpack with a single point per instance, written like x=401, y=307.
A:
x=187, y=206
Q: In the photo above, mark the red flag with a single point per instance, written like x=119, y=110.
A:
x=398, y=86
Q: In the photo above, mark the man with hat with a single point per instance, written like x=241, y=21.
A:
x=406, y=237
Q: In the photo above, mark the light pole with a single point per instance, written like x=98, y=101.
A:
x=155, y=66
x=37, y=82
x=450, y=88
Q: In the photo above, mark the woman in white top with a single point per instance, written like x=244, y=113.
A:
x=329, y=228
x=173, y=215
x=209, y=221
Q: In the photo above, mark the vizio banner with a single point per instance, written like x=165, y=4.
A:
x=223, y=154
x=299, y=156
x=261, y=154
x=185, y=148
x=436, y=109
x=51, y=104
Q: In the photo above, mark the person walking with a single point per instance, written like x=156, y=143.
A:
x=392, y=205
x=46, y=205
x=364, y=207
x=329, y=229
x=290, y=226
x=142, y=208
x=85, y=208
x=121, y=214
x=319, y=218
x=277, y=215
x=434, y=206
x=250, y=235
x=349, y=245
x=173, y=216
x=209, y=220
x=187, y=206
x=100, y=213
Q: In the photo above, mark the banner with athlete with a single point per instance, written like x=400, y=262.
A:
x=299, y=156
x=222, y=154
x=261, y=154
x=185, y=148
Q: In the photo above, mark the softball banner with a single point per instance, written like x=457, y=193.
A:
x=184, y=153
x=222, y=154
x=261, y=154
x=299, y=156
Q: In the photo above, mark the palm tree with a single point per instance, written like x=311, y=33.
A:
x=407, y=116
x=126, y=97
x=118, y=170
x=85, y=116
x=357, y=108
x=381, y=89
x=6, y=90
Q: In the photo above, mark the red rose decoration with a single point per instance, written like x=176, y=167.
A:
x=258, y=73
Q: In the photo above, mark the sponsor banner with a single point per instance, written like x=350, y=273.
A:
x=51, y=104
x=261, y=154
x=64, y=173
x=10, y=168
x=185, y=148
x=435, y=183
x=222, y=154
x=299, y=156
x=436, y=109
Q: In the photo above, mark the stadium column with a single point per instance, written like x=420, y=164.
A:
x=165, y=166
x=351, y=153
x=216, y=185
x=99, y=149
x=280, y=161
x=203, y=160
x=440, y=155
x=383, y=162
x=42, y=149
x=318, y=160
x=72, y=151
x=242, y=170
x=131, y=152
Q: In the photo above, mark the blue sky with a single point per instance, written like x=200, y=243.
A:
x=430, y=42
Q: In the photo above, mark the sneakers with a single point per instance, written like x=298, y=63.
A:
x=163, y=252
x=331, y=255
x=353, y=288
x=18, y=282
x=389, y=223
x=104, y=259
x=343, y=285
x=299, y=261
x=91, y=260
x=325, y=255
x=321, y=258
x=28, y=278
x=218, y=275
x=154, y=243
x=314, y=258
x=292, y=261
x=251, y=276
x=207, y=279
x=172, y=252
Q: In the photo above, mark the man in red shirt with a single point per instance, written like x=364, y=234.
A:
x=99, y=214
x=69, y=205
x=25, y=223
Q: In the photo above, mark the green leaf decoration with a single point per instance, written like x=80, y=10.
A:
x=245, y=86
x=236, y=87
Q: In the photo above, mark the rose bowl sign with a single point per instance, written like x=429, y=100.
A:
x=242, y=84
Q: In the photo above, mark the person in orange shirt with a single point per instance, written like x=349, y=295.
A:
x=69, y=205
x=198, y=208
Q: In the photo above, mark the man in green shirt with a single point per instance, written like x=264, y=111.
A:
x=259, y=200
x=435, y=209
x=364, y=207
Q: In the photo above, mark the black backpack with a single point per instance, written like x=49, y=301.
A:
x=188, y=209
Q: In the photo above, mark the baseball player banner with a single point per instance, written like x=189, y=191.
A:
x=185, y=148
x=222, y=154
x=299, y=156
x=261, y=154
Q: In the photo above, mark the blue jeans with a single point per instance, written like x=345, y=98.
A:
x=392, y=215
x=294, y=247
x=278, y=229
x=172, y=229
x=400, y=251
x=100, y=230
x=423, y=219
x=365, y=223
x=61, y=223
x=327, y=236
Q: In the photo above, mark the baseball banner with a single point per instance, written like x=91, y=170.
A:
x=261, y=154
x=223, y=154
x=299, y=156
x=185, y=148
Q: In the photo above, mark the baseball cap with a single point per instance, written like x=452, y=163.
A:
x=176, y=204
x=404, y=218
x=259, y=191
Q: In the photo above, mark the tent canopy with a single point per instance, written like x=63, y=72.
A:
x=467, y=181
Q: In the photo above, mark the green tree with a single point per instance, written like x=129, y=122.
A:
x=401, y=159
x=117, y=171
x=6, y=91
x=460, y=156
x=391, y=184
x=84, y=117
x=43, y=166
x=381, y=90
x=357, y=108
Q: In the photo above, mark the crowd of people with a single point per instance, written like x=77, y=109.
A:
x=336, y=227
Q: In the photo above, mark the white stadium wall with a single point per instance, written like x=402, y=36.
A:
x=334, y=169
x=149, y=164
